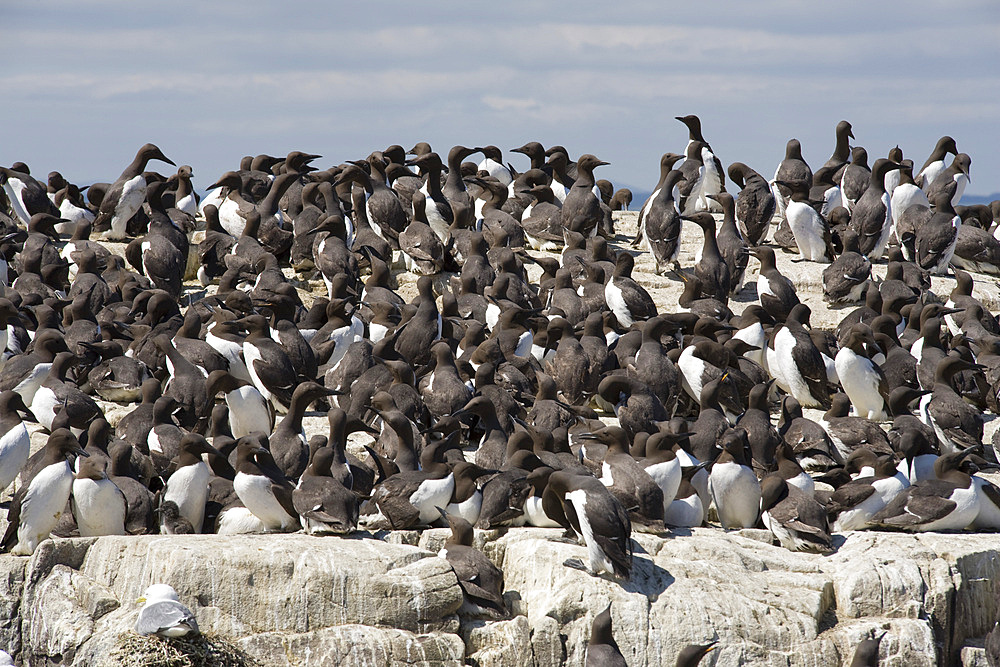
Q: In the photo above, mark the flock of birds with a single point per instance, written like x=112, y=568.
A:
x=482, y=395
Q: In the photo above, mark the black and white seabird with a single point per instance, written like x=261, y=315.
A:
x=585, y=506
x=412, y=497
x=934, y=240
x=15, y=444
x=265, y=493
x=686, y=510
x=733, y=485
x=659, y=221
x=795, y=362
x=935, y=163
x=842, y=149
x=855, y=178
x=627, y=479
x=845, y=279
x=856, y=502
x=99, y=506
x=793, y=169
x=850, y=433
x=581, y=210
x=957, y=423
x=126, y=195
x=794, y=517
x=812, y=235
x=480, y=580
x=906, y=194
x=710, y=267
x=269, y=367
x=249, y=411
x=37, y=507
x=871, y=218
x=627, y=299
x=188, y=485
x=755, y=204
x=948, y=502
x=732, y=246
x=862, y=379
x=323, y=503
x=775, y=291
x=288, y=445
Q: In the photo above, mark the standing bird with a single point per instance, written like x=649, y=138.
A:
x=733, y=485
x=812, y=235
x=794, y=517
x=265, y=492
x=871, y=218
x=844, y=281
x=775, y=291
x=249, y=411
x=270, y=368
x=37, y=507
x=755, y=203
x=187, y=487
x=585, y=506
x=732, y=245
x=163, y=615
x=795, y=362
x=713, y=177
x=862, y=379
x=842, y=149
x=659, y=221
x=793, y=169
x=935, y=240
x=99, y=506
x=15, y=444
x=710, y=268
x=935, y=162
x=383, y=209
x=581, y=211
x=627, y=299
x=856, y=177
x=125, y=196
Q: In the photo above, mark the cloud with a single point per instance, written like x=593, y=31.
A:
x=223, y=79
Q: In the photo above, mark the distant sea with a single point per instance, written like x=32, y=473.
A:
x=641, y=195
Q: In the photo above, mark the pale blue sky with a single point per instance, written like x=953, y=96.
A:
x=86, y=83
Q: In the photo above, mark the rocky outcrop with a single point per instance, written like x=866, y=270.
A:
x=299, y=600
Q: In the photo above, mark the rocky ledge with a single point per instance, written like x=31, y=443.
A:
x=387, y=600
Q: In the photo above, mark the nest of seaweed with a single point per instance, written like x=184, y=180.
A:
x=134, y=650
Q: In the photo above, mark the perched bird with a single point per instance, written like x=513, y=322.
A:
x=99, y=506
x=794, y=517
x=480, y=580
x=36, y=507
x=162, y=614
x=125, y=196
x=866, y=653
x=585, y=506
x=602, y=649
